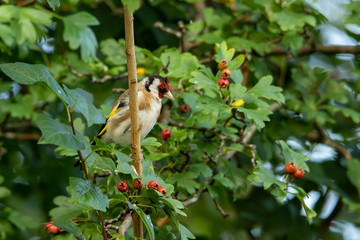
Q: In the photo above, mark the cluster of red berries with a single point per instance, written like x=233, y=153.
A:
x=138, y=184
x=52, y=229
x=290, y=168
x=225, y=73
x=166, y=134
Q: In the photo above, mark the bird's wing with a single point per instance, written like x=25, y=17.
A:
x=121, y=103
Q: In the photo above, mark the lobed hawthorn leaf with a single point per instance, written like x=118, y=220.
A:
x=187, y=61
x=78, y=34
x=54, y=132
x=264, y=89
x=184, y=180
x=86, y=108
x=294, y=21
x=204, y=82
x=184, y=232
x=65, y=209
x=24, y=73
x=70, y=227
x=223, y=52
x=263, y=175
x=296, y=157
x=84, y=192
x=258, y=116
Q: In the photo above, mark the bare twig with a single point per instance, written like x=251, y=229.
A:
x=94, y=79
x=125, y=225
x=161, y=26
x=20, y=136
x=322, y=137
x=118, y=90
x=223, y=213
x=114, y=227
x=119, y=218
x=193, y=199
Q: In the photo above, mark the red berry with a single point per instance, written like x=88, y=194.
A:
x=48, y=225
x=153, y=185
x=299, y=173
x=166, y=134
x=290, y=168
x=162, y=190
x=53, y=230
x=122, y=186
x=222, y=64
x=137, y=183
x=223, y=83
x=184, y=108
x=225, y=73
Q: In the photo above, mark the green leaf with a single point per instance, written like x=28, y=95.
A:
x=7, y=35
x=123, y=165
x=35, y=15
x=264, y=89
x=54, y=4
x=293, y=40
x=292, y=156
x=352, y=171
x=6, y=12
x=174, y=204
x=224, y=53
x=145, y=218
x=263, y=175
x=85, y=193
x=65, y=210
x=200, y=168
x=24, y=73
x=257, y=115
x=82, y=105
x=187, y=61
x=226, y=182
x=185, y=233
x=4, y=192
x=150, y=141
x=114, y=51
x=204, y=82
x=54, y=132
x=294, y=21
x=78, y=34
x=237, y=91
x=70, y=227
x=21, y=221
x=132, y=5
x=236, y=63
x=310, y=214
x=236, y=76
x=184, y=180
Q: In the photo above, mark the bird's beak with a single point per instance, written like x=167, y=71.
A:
x=169, y=95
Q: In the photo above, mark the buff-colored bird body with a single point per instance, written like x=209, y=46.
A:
x=117, y=128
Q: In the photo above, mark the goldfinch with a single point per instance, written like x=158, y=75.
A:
x=151, y=91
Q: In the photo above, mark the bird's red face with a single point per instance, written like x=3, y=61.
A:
x=165, y=89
